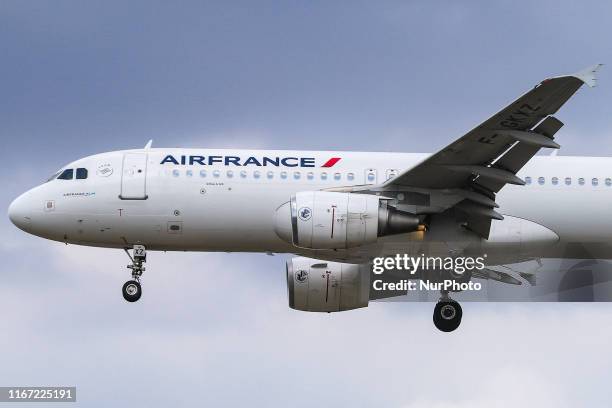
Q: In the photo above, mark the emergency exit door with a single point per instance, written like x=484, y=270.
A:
x=134, y=177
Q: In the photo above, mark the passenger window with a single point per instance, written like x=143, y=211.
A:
x=216, y=173
x=189, y=173
x=256, y=174
x=337, y=176
x=541, y=181
x=296, y=175
x=67, y=174
x=81, y=173
x=568, y=181
x=554, y=181
x=270, y=174
x=527, y=180
x=391, y=173
x=283, y=174
x=350, y=176
x=243, y=174
x=608, y=182
x=581, y=181
x=230, y=174
x=324, y=176
x=176, y=173
x=310, y=175
x=595, y=181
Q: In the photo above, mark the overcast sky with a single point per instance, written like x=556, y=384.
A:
x=78, y=78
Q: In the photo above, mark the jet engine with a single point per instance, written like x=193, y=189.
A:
x=320, y=286
x=332, y=220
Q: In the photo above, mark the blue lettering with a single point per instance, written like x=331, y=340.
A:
x=273, y=162
x=235, y=160
x=196, y=159
x=214, y=159
x=307, y=162
x=169, y=159
x=286, y=163
x=251, y=160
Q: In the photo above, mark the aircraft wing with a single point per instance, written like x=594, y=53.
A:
x=487, y=145
x=477, y=165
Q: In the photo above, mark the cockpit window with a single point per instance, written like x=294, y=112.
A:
x=81, y=173
x=54, y=176
x=67, y=174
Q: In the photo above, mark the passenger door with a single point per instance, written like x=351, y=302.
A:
x=134, y=177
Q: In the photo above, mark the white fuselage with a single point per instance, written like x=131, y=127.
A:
x=220, y=200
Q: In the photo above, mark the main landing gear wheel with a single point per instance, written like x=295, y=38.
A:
x=447, y=315
x=131, y=290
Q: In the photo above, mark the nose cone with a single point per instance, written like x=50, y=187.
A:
x=20, y=214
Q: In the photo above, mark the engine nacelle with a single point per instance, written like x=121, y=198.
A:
x=332, y=220
x=320, y=286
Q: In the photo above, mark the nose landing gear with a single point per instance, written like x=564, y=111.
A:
x=447, y=313
x=132, y=291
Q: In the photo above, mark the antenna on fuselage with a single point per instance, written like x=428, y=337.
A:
x=148, y=145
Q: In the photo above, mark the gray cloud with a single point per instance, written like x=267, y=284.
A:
x=216, y=324
x=80, y=78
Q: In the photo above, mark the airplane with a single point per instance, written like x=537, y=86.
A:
x=488, y=192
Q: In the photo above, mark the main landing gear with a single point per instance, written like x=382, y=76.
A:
x=447, y=313
x=131, y=289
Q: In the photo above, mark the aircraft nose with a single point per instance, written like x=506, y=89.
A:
x=19, y=213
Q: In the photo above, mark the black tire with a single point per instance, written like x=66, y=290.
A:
x=447, y=315
x=131, y=290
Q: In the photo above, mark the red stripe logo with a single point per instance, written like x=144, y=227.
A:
x=331, y=162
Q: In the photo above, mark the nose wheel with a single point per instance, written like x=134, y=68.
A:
x=447, y=314
x=132, y=291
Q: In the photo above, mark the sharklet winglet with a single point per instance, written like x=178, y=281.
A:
x=588, y=75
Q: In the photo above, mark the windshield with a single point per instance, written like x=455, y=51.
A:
x=53, y=177
x=67, y=174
